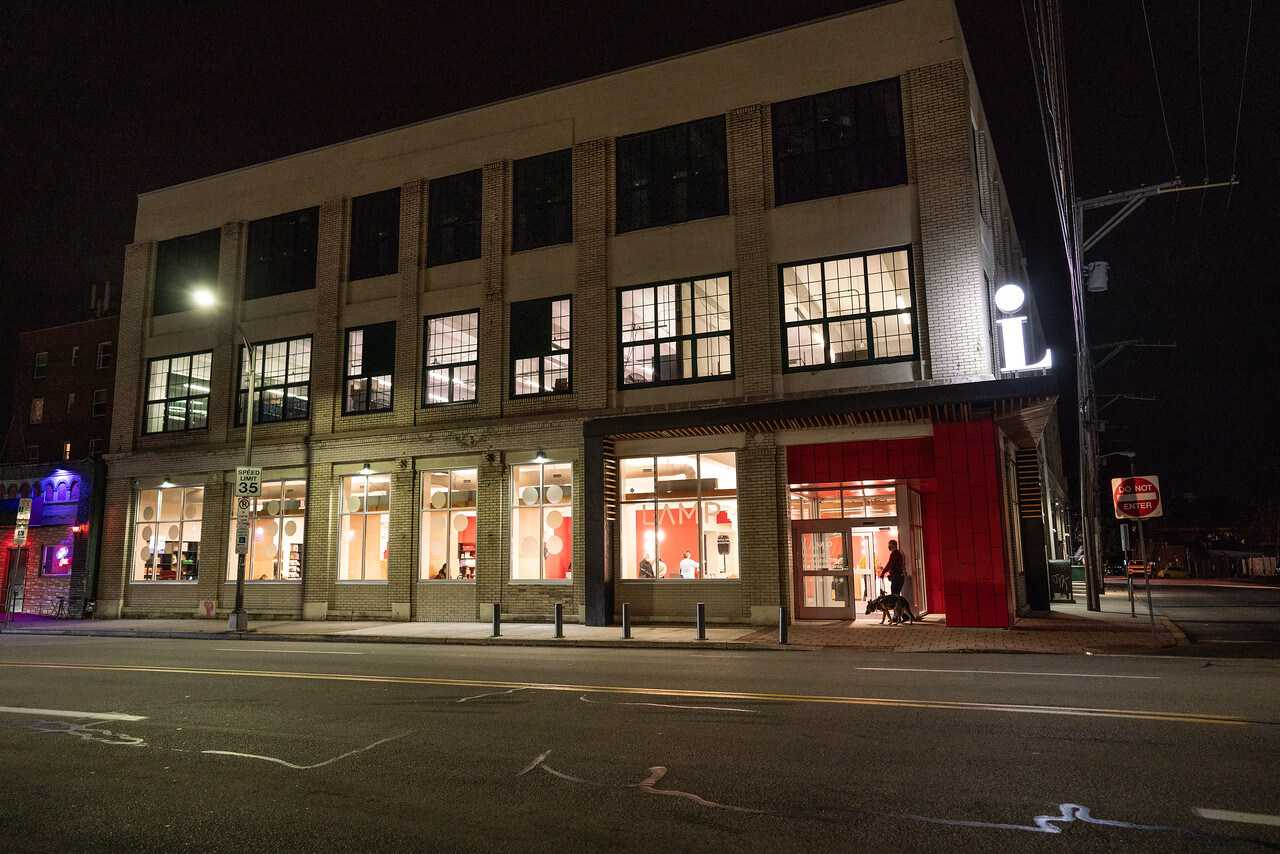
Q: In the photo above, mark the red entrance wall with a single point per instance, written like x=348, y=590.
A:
x=957, y=473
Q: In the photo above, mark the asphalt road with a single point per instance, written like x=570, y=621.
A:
x=1220, y=619
x=209, y=746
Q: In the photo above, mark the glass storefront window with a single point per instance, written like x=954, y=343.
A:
x=678, y=504
x=850, y=501
x=166, y=541
x=277, y=523
x=364, y=527
x=542, y=521
x=448, y=532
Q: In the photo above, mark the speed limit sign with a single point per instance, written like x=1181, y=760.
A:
x=248, y=482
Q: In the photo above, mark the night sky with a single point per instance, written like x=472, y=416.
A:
x=105, y=101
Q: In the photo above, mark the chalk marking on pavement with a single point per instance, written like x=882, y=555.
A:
x=308, y=767
x=1005, y=672
x=673, y=706
x=87, y=731
x=1067, y=812
x=1242, y=817
x=492, y=694
x=67, y=713
x=943, y=705
x=289, y=651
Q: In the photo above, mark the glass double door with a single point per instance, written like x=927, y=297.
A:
x=835, y=569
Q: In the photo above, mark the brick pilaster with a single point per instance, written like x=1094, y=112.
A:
x=326, y=341
x=594, y=360
x=492, y=370
x=127, y=409
x=754, y=297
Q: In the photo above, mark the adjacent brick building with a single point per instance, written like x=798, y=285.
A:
x=52, y=463
x=739, y=304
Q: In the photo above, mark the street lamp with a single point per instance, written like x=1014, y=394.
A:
x=204, y=297
x=1142, y=542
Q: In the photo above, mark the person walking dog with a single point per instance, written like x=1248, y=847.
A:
x=895, y=569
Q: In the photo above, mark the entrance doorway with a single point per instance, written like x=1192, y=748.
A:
x=835, y=563
x=15, y=577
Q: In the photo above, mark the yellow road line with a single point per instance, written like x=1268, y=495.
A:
x=952, y=705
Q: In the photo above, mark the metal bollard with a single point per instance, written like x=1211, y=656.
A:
x=626, y=621
x=559, y=620
x=702, y=621
x=497, y=620
x=783, y=623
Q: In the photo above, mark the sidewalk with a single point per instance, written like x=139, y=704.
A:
x=1068, y=628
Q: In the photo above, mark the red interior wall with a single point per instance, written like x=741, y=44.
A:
x=971, y=541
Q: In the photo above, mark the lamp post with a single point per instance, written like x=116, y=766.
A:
x=1142, y=542
x=205, y=298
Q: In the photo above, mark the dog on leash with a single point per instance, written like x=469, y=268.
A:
x=895, y=608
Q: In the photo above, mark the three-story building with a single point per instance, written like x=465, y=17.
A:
x=714, y=329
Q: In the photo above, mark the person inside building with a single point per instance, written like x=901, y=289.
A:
x=688, y=567
x=895, y=569
x=662, y=568
x=646, y=567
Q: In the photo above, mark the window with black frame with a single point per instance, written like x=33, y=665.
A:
x=178, y=393
x=838, y=142
x=282, y=388
x=675, y=332
x=182, y=263
x=449, y=359
x=540, y=347
x=282, y=254
x=453, y=218
x=375, y=235
x=674, y=174
x=542, y=200
x=370, y=363
x=856, y=309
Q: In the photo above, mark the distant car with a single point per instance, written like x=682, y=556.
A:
x=1171, y=572
x=1137, y=567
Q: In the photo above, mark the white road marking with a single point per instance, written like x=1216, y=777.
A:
x=1007, y=672
x=673, y=706
x=290, y=651
x=66, y=713
x=1242, y=817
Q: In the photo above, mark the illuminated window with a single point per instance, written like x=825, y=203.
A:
x=363, y=527
x=864, y=500
x=675, y=332
x=42, y=364
x=56, y=560
x=282, y=388
x=104, y=355
x=542, y=521
x=99, y=402
x=674, y=174
x=838, y=142
x=375, y=235
x=670, y=506
x=277, y=524
x=37, y=410
x=542, y=200
x=453, y=218
x=448, y=547
x=540, y=346
x=449, y=358
x=66, y=450
x=166, y=541
x=183, y=263
x=178, y=393
x=371, y=360
x=850, y=310
x=281, y=256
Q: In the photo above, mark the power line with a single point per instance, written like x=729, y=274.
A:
x=1244, y=70
x=1159, y=93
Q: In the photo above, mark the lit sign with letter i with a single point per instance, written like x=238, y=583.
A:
x=1013, y=334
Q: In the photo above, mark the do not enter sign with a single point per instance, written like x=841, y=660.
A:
x=1136, y=497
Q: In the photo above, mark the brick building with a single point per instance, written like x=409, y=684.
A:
x=739, y=304
x=52, y=459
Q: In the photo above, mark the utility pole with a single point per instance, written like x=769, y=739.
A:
x=1086, y=393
